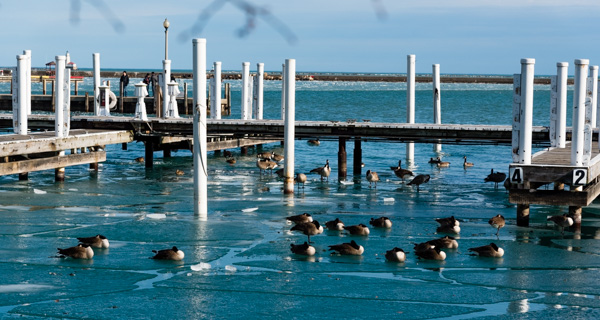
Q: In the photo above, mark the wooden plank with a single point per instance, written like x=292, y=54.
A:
x=236, y=143
x=556, y=197
x=51, y=162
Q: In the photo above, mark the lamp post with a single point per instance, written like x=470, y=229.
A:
x=166, y=25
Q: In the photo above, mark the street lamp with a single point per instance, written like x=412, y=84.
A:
x=166, y=25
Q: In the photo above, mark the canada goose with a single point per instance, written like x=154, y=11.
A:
x=279, y=173
x=352, y=248
x=169, y=254
x=443, y=164
x=315, y=142
x=433, y=253
x=179, y=172
x=497, y=222
x=423, y=246
x=230, y=160
x=265, y=164
x=358, y=230
x=300, y=178
x=277, y=157
x=418, y=180
x=451, y=221
x=444, y=242
x=300, y=218
x=562, y=221
x=381, y=222
x=401, y=173
x=227, y=154
x=435, y=161
x=98, y=241
x=323, y=171
x=395, y=255
x=336, y=225
x=467, y=164
x=372, y=176
x=308, y=228
x=265, y=155
x=495, y=177
x=490, y=250
x=139, y=159
x=80, y=251
x=304, y=249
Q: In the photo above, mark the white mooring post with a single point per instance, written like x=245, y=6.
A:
x=140, y=107
x=592, y=94
x=577, y=144
x=28, y=79
x=289, y=125
x=437, y=102
x=283, y=91
x=410, y=103
x=199, y=123
x=104, y=100
x=259, y=87
x=527, y=73
x=19, y=98
x=96, y=57
x=59, y=104
x=165, y=86
x=558, y=106
x=172, y=108
x=215, y=106
x=245, y=79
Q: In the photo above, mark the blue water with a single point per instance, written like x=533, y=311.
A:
x=238, y=264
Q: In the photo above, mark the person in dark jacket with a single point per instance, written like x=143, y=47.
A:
x=153, y=82
x=124, y=83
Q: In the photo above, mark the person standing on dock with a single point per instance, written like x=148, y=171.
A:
x=124, y=83
x=147, y=81
x=153, y=82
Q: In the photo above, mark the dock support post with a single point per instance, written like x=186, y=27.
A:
x=149, y=154
x=27, y=53
x=24, y=176
x=165, y=87
x=577, y=145
x=523, y=215
x=357, y=165
x=245, y=79
x=167, y=152
x=44, y=86
x=96, y=57
x=575, y=214
x=289, y=128
x=200, y=165
x=558, y=106
x=215, y=105
x=59, y=103
x=283, y=92
x=185, y=98
x=20, y=96
x=410, y=102
x=259, y=88
x=244, y=151
x=342, y=160
x=437, y=102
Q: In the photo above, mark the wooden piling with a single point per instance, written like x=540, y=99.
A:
x=149, y=156
x=59, y=174
x=228, y=98
x=244, y=150
x=342, y=165
x=76, y=87
x=87, y=102
x=124, y=146
x=44, y=86
x=357, y=165
x=185, y=98
x=166, y=152
x=523, y=215
x=575, y=214
x=24, y=176
x=53, y=93
x=121, y=94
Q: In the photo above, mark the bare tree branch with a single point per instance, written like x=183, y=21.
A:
x=379, y=8
x=103, y=8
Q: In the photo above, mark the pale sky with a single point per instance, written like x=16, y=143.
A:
x=463, y=36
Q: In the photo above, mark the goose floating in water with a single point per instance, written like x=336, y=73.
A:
x=419, y=180
x=562, y=221
x=304, y=249
x=230, y=160
x=490, y=250
x=169, y=254
x=495, y=177
x=401, y=173
x=467, y=164
x=80, y=251
x=308, y=228
x=336, y=225
x=381, y=222
x=372, y=176
x=497, y=222
x=323, y=171
x=179, y=172
x=315, y=142
x=300, y=178
x=435, y=161
x=446, y=242
x=352, y=248
x=99, y=241
x=443, y=164
x=227, y=154
x=139, y=159
x=395, y=255
x=358, y=230
x=300, y=218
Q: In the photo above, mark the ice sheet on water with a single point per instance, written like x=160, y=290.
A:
x=24, y=287
x=201, y=266
x=250, y=209
x=38, y=191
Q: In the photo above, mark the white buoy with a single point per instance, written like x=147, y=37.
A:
x=199, y=123
x=140, y=107
x=437, y=102
x=20, y=96
x=260, y=75
x=410, y=102
x=215, y=106
x=289, y=127
x=577, y=144
x=165, y=86
x=96, y=57
x=245, y=93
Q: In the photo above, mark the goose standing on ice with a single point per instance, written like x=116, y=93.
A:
x=265, y=164
x=495, y=177
x=497, y=222
x=419, y=180
x=300, y=178
x=300, y=218
x=308, y=228
x=562, y=221
x=323, y=171
x=401, y=173
x=372, y=176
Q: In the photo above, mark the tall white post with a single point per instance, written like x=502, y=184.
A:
x=215, y=111
x=199, y=123
x=28, y=80
x=577, y=145
x=20, y=96
x=283, y=91
x=527, y=73
x=59, y=96
x=437, y=102
x=289, y=126
x=165, y=86
x=140, y=107
x=561, y=99
x=96, y=57
x=245, y=93
x=173, y=92
x=260, y=75
x=593, y=93
x=410, y=102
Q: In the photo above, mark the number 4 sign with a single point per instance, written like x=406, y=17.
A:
x=516, y=175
